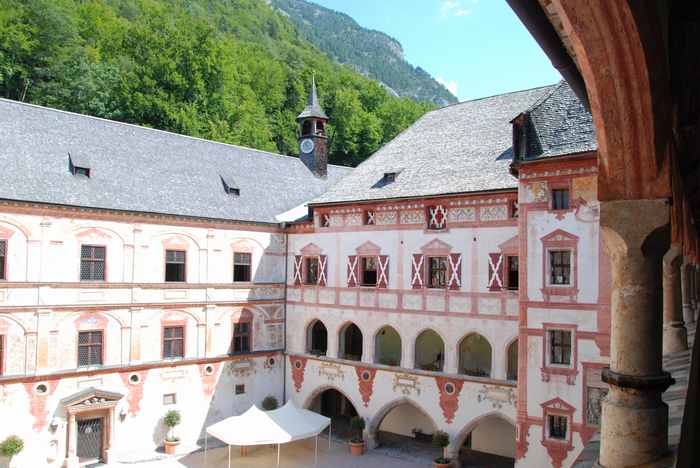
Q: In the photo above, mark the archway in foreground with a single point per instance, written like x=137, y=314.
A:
x=333, y=404
x=350, y=342
x=387, y=347
x=317, y=338
x=402, y=426
x=488, y=441
x=475, y=356
x=430, y=351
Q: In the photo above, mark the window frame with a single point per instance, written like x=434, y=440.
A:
x=4, y=247
x=93, y=260
x=552, y=334
x=249, y=265
x=362, y=259
x=560, y=190
x=369, y=218
x=508, y=279
x=183, y=338
x=561, y=417
x=549, y=368
x=170, y=395
x=430, y=227
x=90, y=345
x=429, y=271
x=307, y=259
x=551, y=267
x=247, y=335
x=184, y=268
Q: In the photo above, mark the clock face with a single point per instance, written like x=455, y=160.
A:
x=306, y=146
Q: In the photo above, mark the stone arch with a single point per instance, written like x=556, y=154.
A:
x=437, y=356
x=172, y=312
x=20, y=227
x=11, y=319
x=316, y=337
x=319, y=390
x=457, y=441
x=87, y=228
x=511, y=346
x=350, y=341
x=475, y=355
x=380, y=414
x=163, y=234
x=387, y=354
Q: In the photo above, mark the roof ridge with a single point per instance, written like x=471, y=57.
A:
x=491, y=96
x=142, y=127
x=545, y=96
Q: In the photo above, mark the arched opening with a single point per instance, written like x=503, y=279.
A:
x=317, y=338
x=430, y=351
x=350, y=343
x=512, y=364
x=387, y=347
x=475, y=356
x=405, y=428
x=489, y=443
x=339, y=408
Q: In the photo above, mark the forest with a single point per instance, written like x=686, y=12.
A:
x=234, y=71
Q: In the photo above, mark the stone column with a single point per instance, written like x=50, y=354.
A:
x=71, y=450
x=634, y=429
x=696, y=283
x=688, y=313
x=675, y=337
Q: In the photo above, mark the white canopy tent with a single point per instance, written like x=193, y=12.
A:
x=280, y=426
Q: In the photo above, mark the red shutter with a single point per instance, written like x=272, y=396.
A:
x=298, y=260
x=353, y=267
x=383, y=273
x=417, y=271
x=496, y=269
x=455, y=273
x=322, y=269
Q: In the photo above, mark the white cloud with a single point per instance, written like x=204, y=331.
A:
x=450, y=85
x=452, y=8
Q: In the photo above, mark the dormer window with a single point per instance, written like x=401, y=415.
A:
x=230, y=185
x=79, y=165
x=389, y=177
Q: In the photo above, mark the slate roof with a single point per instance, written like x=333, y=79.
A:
x=140, y=169
x=461, y=148
x=558, y=124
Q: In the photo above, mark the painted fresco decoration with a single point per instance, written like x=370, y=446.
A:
x=365, y=382
x=449, y=396
x=298, y=364
x=406, y=384
x=332, y=372
x=496, y=396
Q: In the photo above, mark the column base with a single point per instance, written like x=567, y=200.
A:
x=688, y=315
x=71, y=462
x=675, y=338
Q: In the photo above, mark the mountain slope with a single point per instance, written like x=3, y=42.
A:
x=371, y=52
x=234, y=71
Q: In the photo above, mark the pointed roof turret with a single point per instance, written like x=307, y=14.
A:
x=313, y=108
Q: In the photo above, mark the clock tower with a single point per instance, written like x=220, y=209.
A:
x=313, y=144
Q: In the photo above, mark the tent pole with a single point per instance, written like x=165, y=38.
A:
x=229, y=456
x=278, y=454
x=316, y=451
x=329, y=435
x=205, y=450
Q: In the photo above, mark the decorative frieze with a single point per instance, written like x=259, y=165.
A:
x=497, y=396
x=560, y=172
x=407, y=384
x=332, y=371
x=385, y=217
x=462, y=215
x=412, y=217
x=493, y=213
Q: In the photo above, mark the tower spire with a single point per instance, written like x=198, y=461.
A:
x=313, y=107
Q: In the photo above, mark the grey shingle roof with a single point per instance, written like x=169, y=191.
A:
x=144, y=170
x=313, y=107
x=460, y=148
x=558, y=124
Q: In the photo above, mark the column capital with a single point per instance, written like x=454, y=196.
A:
x=626, y=224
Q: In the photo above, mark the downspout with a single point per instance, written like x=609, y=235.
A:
x=537, y=23
x=284, y=326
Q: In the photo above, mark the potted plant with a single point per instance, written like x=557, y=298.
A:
x=441, y=440
x=172, y=418
x=270, y=403
x=9, y=448
x=357, y=443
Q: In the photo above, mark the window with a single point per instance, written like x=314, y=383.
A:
x=175, y=265
x=169, y=399
x=81, y=171
x=241, y=337
x=514, y=209
x=369, y=218
x=513, y=278
x=557, y=426
x=241, y=266
x=92, y=263
x=437, y=272
x=325, y=221
x=560, y=199
x=89, y=348
x=437, y=217
x=389, y=177
x=369, y=271
x=311, y=270
x=173, y=342
x=3, y=259
x=560, y=267
x=560, y=347
x=240, y=389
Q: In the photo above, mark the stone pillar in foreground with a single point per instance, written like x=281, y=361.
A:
x=688, y=312
x=675, y=337
x=634, y=428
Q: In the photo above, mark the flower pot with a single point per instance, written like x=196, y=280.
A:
x=357, y=448
x=442, y=463
x=171, y=446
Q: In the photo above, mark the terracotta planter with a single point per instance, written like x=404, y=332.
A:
x=171, y=446
x=357, y=448
x=442, y=465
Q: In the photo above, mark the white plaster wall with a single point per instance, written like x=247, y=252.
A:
x=494, y=436
x=404, y=419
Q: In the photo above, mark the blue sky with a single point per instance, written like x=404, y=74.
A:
x=477, y=47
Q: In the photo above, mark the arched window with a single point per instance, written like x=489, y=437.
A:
x=387, y=347
x=350, y=343
x=430, y=351
x=513, y=361
x=317, y=338
x=475, y=356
